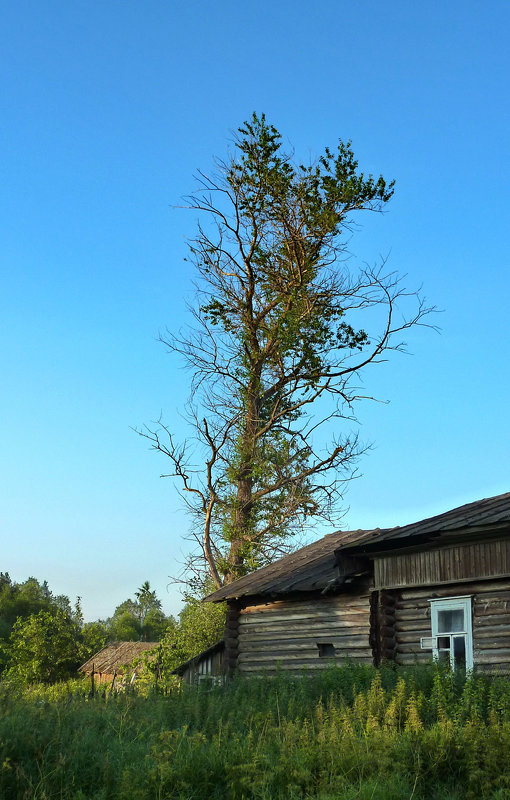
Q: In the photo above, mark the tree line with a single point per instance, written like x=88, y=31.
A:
x=44, y=638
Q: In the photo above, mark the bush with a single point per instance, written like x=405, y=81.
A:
x=45, y=648
x=351, y=733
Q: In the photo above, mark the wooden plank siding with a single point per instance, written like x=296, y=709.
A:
x=210, y=666
x=491, y=622
x=438, y=565
x=285, y=633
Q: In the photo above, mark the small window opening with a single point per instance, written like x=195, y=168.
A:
x=326, y=649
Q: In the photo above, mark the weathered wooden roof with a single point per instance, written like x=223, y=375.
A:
x=316, y=565
x=116, y=656
x=308, y=569
x=491, y=513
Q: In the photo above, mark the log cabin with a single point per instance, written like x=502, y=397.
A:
x=438, y=588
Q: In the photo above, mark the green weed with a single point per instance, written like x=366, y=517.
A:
x=351, y=733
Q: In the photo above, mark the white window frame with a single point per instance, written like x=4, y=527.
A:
x=453, y=604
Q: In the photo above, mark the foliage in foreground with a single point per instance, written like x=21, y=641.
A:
x=349, y=734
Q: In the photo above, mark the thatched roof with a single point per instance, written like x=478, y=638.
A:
x=116, y=656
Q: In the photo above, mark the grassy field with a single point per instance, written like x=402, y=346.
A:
x=353, y=733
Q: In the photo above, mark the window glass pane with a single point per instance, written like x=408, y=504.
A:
x=450, y=621
x=443, y=642
x=459, y=651
x=326, y=649
x=444, y=656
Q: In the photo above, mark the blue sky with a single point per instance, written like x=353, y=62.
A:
x=107, y=111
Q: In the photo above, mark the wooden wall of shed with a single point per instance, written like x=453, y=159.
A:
x=285, y=633
x=491, y=622
x=209, y=666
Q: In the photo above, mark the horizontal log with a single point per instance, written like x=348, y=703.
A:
x=340, y=644
x=490, y=592
x=349, y=615
x=338, y=601
x=496, y=631
x=265, y=658
x=295, y=669
x=482, y=641
x=412, y=625
x=491, y=656
x=292, y=625
x=299, y=666
x=411, y=636
x=491, y=616
x=303, y=626
x=408, y=660
x=416, y=612
x=304, y=634
x=410, y=647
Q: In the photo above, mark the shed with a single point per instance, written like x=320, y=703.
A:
x=113, y=659
x=436, y=588
x=205, y=666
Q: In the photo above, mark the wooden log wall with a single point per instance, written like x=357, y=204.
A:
x=384, y=638
x=285, y=633
x=231, y=637
x=491, y=622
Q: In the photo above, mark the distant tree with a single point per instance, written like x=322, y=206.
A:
x=146, y=602
x=139, y=620
x=45, y=647
x=124, y=626
x=94, y=636
x=285, y=329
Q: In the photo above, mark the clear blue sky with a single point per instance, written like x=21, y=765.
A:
x=107, y=110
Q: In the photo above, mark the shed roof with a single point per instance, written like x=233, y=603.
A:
x=314, y=566
x=115, y=656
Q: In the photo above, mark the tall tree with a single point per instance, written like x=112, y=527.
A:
x=284, y=328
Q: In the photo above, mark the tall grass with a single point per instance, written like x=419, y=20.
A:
x=352, y=733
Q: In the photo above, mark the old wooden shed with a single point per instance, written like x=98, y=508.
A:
x=114, y=659
x=206, y=666
x=436, y=588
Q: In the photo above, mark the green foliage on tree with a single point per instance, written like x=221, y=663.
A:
x=139, y=620
x=45, y=647
x=19, y=601
x=94, y=636
x=285, y=328
x=200, y=625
